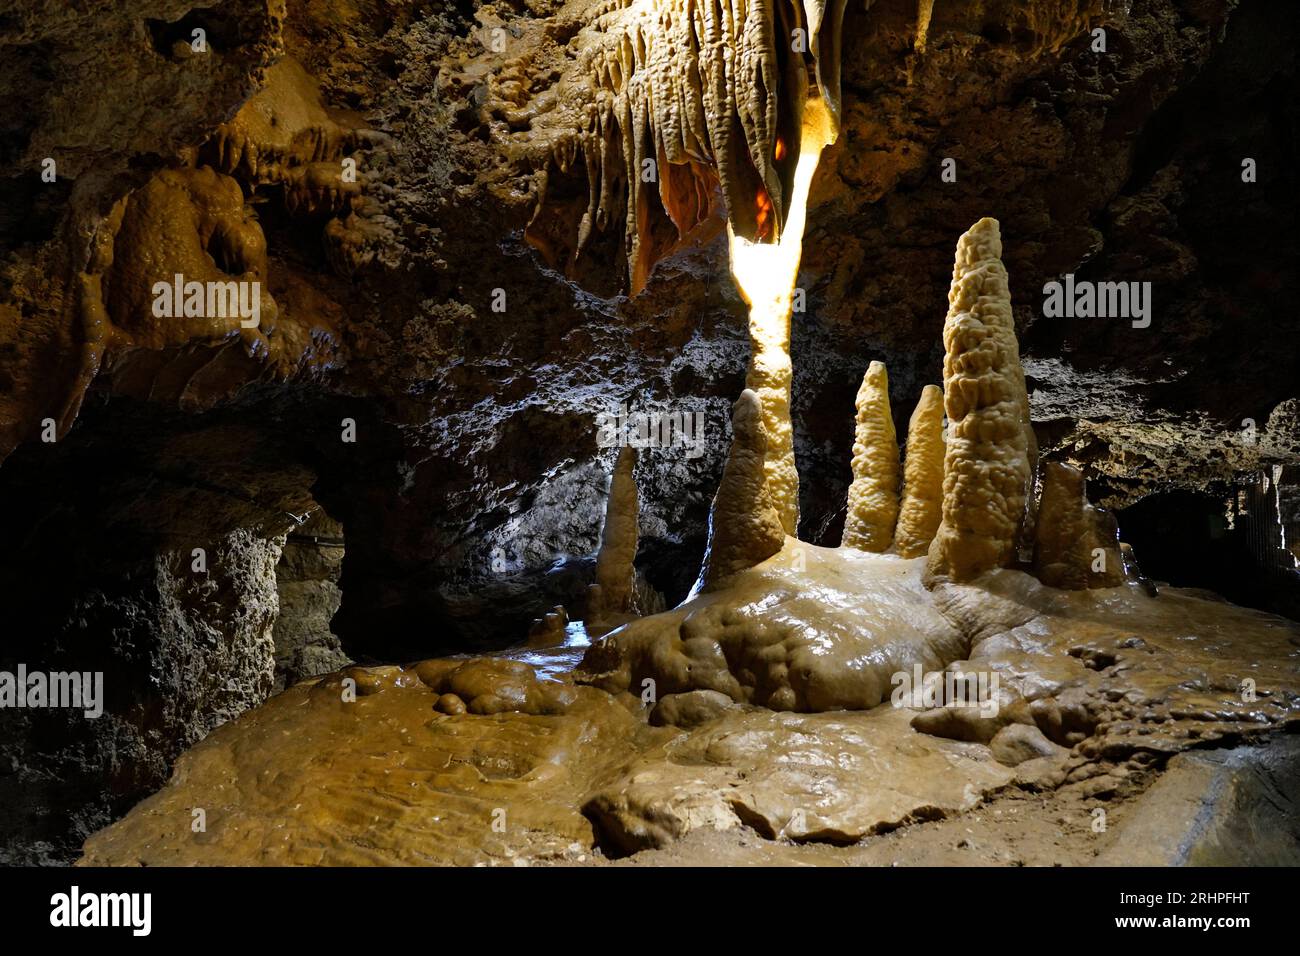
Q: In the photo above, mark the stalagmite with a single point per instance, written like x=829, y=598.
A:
x=744, y=526
x=873, y=494
x=765, y=274
x=987, y=474
x=922, y=504
x=1075, y=544
x=615, y=587
x=549, y=629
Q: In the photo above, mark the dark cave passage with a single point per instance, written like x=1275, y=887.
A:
x=184, y=558
x=1240, y=542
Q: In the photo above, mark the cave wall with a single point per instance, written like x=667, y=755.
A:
x=307, y=586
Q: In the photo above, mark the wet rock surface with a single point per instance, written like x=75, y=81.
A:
x=575, y=774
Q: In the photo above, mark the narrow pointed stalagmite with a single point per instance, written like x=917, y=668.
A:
x=1075, y=543
x=987, y=473
x=615, y=589
x=744, y=526
x=873, y=494
x=922, y=504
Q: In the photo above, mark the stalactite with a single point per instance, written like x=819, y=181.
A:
x=873, y=493
x=922, y=504
x=688, y=90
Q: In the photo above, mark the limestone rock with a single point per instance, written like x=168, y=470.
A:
x=809, y=629
x=1076, y=545
x=315, y=779
x=831, y=778
x=873, y=494
x=549, y=629
x=615, y=569
x=307, y=582
x=744, y=527
x=921, y=508
x=1016, y=743
x=988, y=471
x=975, y=724
x=690, y=709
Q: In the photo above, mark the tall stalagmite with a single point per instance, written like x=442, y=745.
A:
x=744, y=526
x=922, y=504
x=614, y=591
x=988, y=471
x=873, y=494
x=765, y=274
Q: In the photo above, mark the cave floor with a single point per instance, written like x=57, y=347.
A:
x=1234, y=807
x=1129, y=728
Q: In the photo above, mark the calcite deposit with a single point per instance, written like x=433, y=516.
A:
x=614, y=590
x=1077, y=545
x=872, y=507
x=483, y=762
x=989, y=457
x=677, y=98
x=921, y=508
x=745, y=527
x=476, y=229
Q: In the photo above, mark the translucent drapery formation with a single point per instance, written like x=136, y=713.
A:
x=744, y=526
x=615, y=587
x=689, y=93
x=873, y=493
x=1075, y=544
x=988, y=468
x=922, y=504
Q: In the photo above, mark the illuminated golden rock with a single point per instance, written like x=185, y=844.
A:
x=765, y=274
x=922, y=505
x=281, y=130
x=873, y=494
x=744, y=527
x=699, y=91
x=988, y=466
